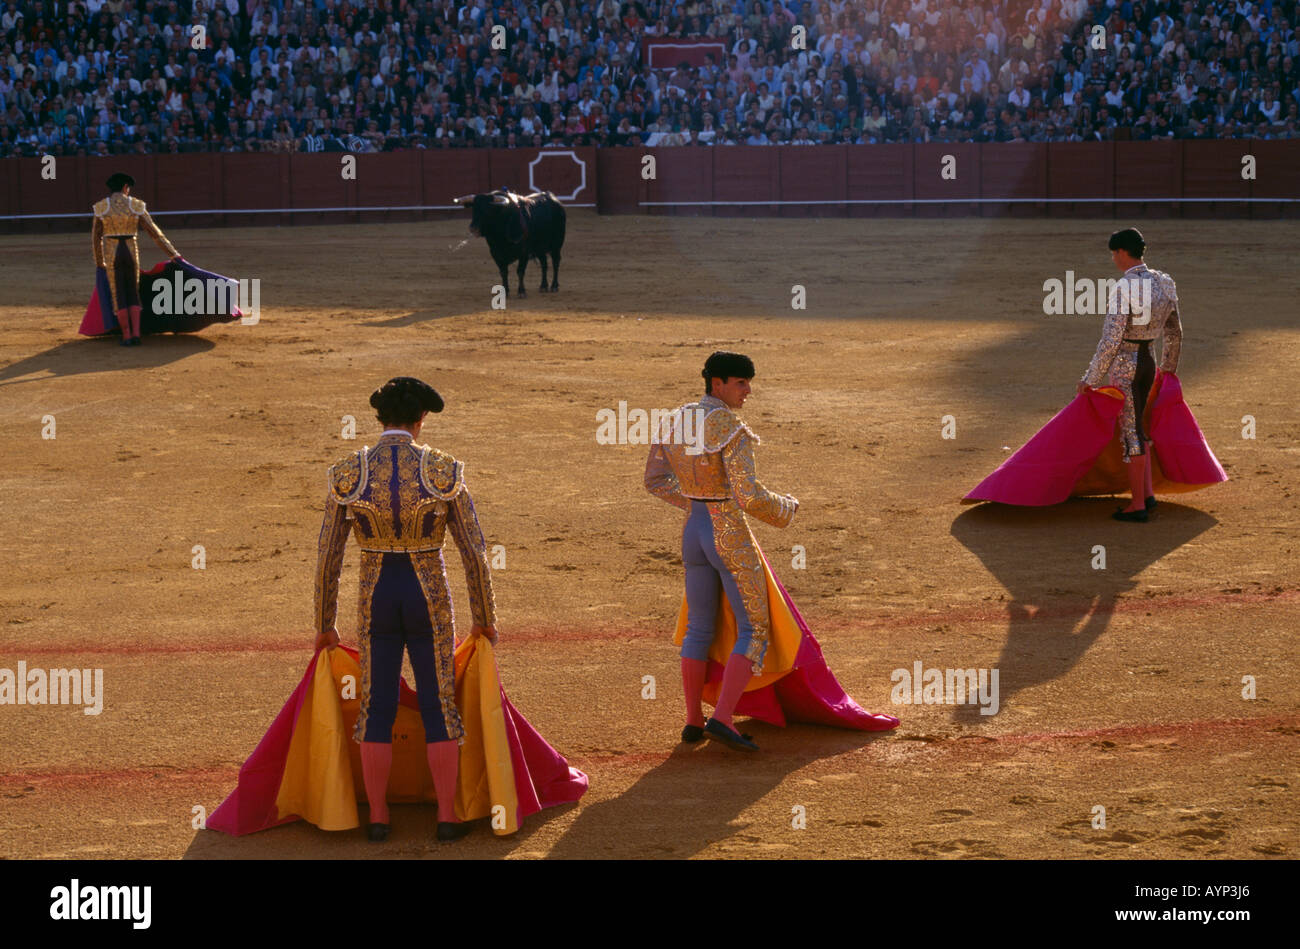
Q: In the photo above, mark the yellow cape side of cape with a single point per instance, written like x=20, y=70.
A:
x=782, y=647
x=322, y=776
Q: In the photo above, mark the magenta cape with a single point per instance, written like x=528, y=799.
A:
x=100, y=319
x=808, y=692
x=1078, y=452
x=306, y=766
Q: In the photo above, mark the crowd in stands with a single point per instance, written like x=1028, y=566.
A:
x=144, y=76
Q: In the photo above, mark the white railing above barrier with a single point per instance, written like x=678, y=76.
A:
x=374, y=208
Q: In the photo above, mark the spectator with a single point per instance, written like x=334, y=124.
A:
x=429, y=74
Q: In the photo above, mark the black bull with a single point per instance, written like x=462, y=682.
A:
x=518, y=227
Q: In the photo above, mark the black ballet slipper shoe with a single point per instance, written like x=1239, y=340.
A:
x=1151, y=502
x=714, y=730
x=1139, y=517
x=692, y=733
x=135, y=340
x=453, y=830
x=125, y=342
x=377, y=833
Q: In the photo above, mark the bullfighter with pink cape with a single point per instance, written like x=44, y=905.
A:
x=162, y=278
x=1098, y=443
x=749, y=651
x=456, y=740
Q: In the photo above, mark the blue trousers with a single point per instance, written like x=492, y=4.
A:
x=399, y=619
x=706, y=576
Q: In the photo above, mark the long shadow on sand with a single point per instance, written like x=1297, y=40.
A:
x=413, y=837
x=1043, y=556
x=676, y=809
x=420, y=316
x=80, y=356
x=533, y=304
x=694, y=798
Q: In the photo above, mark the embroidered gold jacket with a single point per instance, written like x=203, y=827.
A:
x=1123, y=323
x=706, y=453
x=400, y=498
x=120, y=215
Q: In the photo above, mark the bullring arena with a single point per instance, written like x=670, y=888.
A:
x=1120, y=687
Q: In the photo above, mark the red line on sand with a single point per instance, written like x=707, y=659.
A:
x=991, y=742
x=228, y=775
x=543, y=634
x=72, y=779
x=1159, y=729
x=1144, y=604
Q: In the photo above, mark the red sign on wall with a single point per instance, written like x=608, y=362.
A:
x=667, y=54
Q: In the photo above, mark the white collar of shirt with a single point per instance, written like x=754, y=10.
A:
x=1141, y=266
x=397, y=431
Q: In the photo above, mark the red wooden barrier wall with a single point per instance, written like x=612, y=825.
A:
x=719, y=181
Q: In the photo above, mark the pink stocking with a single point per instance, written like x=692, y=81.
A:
x=134, y=312
x=1137, y=481
x=734, y=679
x=124, y=322
x=444, y=760
x=1147, y=472
x=376, y=763
x=694, y=672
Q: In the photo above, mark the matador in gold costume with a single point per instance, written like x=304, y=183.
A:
x=400, y=498
x=1143, y=309
x=117, y=218
x=704, y=464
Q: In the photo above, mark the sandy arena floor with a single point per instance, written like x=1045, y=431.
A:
x=1120, y=688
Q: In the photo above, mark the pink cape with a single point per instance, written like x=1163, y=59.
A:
x=100, y=319
x=542, y=776
x=1078, y=452
x=809, y=692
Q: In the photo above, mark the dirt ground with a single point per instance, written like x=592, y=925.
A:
x=1120, y=687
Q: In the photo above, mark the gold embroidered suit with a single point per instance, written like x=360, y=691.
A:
x=706, y=453
x=121, y=216
x=400, y=498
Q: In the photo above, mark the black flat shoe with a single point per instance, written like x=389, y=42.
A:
x=692, y=733
x=1140, y=517
x=377, y=833
x=714, y=730
x=453, y=830
x=1151, y=502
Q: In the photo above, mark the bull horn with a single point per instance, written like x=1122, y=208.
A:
x=462, y=199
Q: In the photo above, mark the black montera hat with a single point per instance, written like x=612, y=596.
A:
x=727, y=365
x=405, y=391
x=118, y=179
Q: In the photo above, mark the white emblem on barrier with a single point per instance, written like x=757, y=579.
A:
x=582, y=168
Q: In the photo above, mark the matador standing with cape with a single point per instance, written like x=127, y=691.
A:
x=704, y=464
